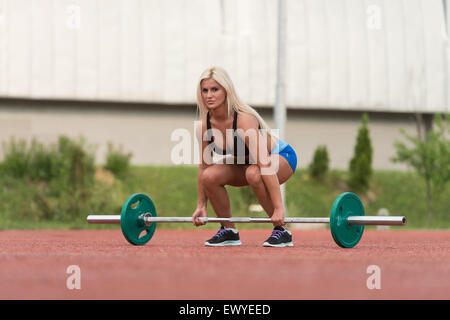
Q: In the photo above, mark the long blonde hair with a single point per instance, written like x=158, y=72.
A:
x=233, y=101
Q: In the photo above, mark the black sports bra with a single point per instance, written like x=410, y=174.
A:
x=237, y=140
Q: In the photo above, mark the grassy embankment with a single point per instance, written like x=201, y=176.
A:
x=25, y=205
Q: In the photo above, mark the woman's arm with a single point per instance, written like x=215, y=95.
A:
x=202, y=199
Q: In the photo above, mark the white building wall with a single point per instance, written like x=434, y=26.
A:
x=383, y=55
x=148, y=132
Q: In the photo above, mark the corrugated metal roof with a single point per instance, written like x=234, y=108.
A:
x=342, y=54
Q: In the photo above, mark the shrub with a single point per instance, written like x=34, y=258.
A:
x=319, y=166
x=361, y=164
x=117, y=161
x=54, y=181
x=16, y=159
x=72, y=160
x=41, y=166
x=75, y=162
x=429, y=156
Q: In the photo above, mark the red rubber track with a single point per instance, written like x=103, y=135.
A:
x=175, y=265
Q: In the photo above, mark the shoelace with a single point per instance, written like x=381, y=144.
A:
x=276, y=234
x=220, y=232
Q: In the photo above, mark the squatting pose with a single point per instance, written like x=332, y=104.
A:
x=259, y=158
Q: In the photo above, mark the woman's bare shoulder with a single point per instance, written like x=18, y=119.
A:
x=247, y=121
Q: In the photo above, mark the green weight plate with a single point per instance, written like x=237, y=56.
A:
x=345, y=235
x=133, y=228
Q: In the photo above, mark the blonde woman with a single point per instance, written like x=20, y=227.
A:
x=260, y=159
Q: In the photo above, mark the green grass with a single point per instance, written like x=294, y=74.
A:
x=174, y=192
x=402, y=193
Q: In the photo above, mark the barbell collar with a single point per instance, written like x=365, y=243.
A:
x=377, y=221
x=103, y=219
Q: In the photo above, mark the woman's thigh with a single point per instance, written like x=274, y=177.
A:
x=279, y=166
x=284, y=171
x=234, y=174
x=226, y=174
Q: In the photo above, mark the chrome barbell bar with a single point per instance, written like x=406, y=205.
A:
x=352, y=220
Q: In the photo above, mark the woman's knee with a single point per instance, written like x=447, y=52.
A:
x=253, y=175
x=209, y=177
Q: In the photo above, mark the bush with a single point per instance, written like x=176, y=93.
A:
x=68, y=159
x=319, y=166
x=41, y=165
x=16, y=159
x=429, y=156
x=54, y=181
x=361, y=163
x=117, y=161
x=75, y=162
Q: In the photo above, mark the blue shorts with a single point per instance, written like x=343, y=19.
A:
x=286, y=151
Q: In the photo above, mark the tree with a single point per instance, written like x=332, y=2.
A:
x=429, y=155
x=319, y=166
x=361, y=163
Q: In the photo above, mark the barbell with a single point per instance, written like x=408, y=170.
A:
x=138, y=219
